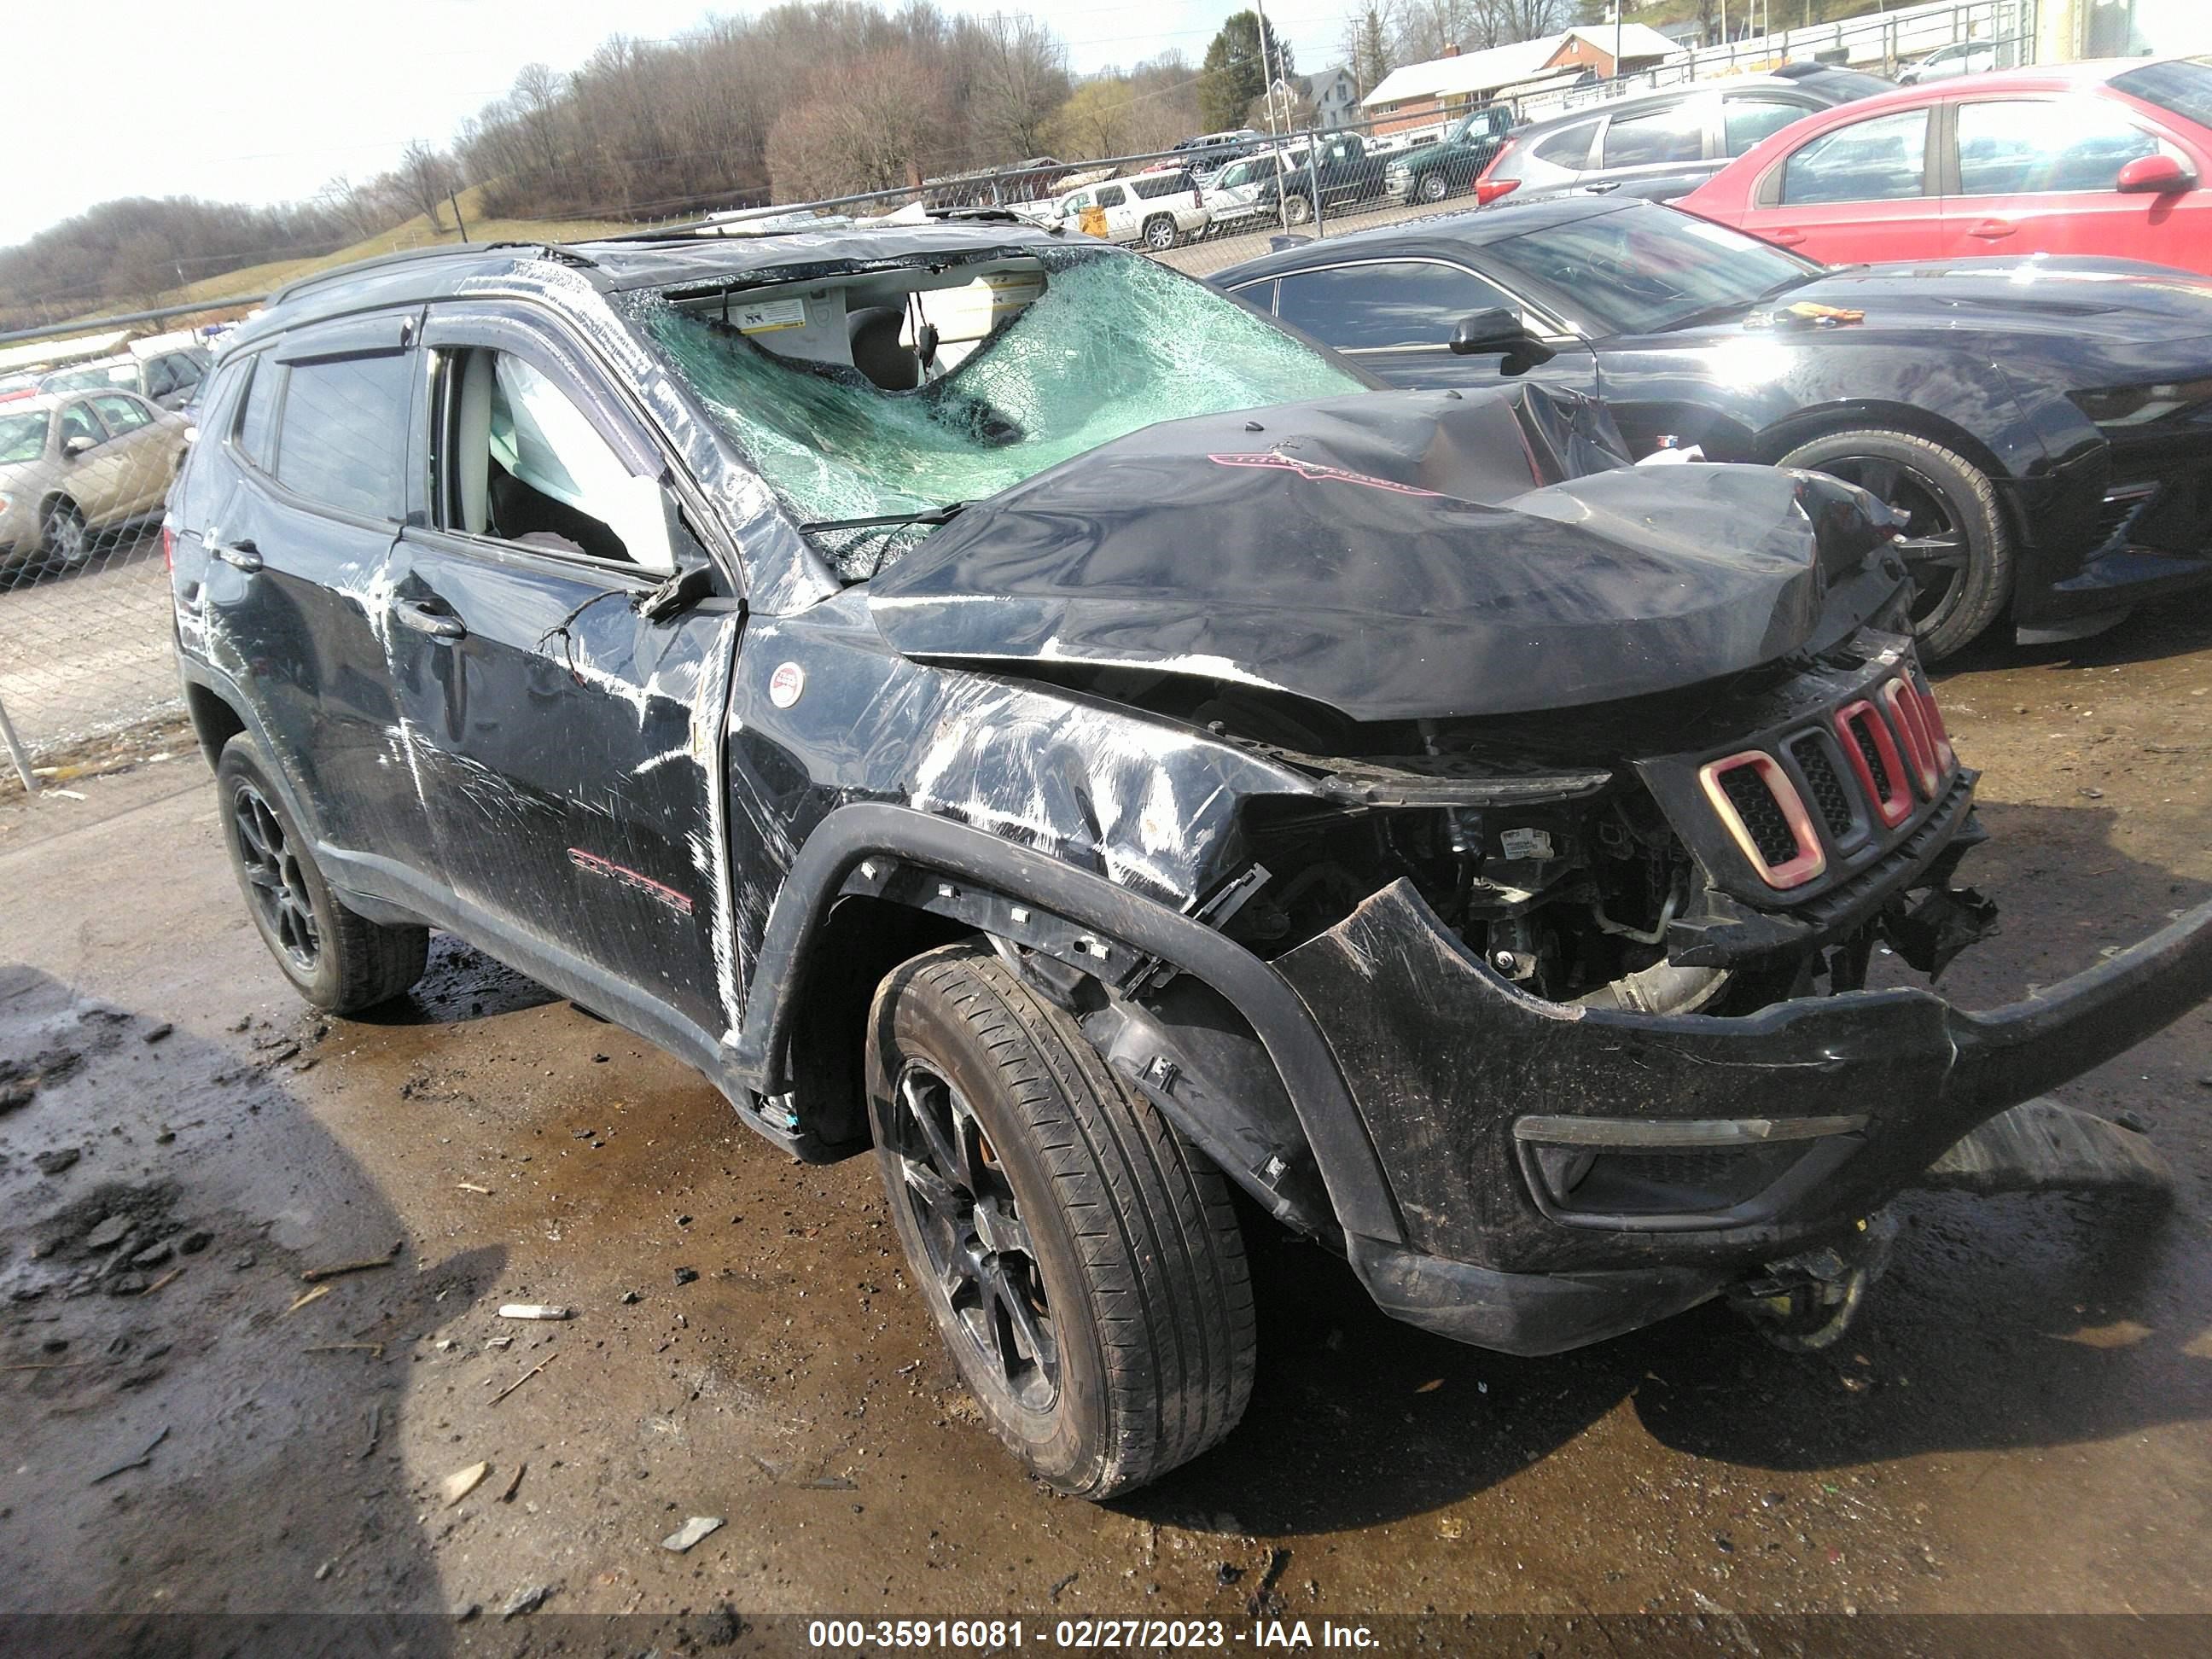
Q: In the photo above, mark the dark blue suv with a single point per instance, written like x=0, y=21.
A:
x=980, y=695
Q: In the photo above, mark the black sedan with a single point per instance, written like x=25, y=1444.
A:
x=2045, y=424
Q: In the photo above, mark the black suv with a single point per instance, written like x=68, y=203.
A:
x=981, y=695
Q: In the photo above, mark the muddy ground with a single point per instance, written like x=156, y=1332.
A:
x=2018, y=1424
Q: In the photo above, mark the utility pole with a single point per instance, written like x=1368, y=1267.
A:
x=1266, y=74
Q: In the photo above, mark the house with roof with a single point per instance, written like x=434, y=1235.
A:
x=1419, y=94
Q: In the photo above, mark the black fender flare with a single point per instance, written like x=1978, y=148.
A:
x=1335, y=1132
x=226, y=690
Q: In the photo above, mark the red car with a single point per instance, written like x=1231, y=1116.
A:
x=2099, y=158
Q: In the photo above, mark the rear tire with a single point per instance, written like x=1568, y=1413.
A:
x=1964, y=563
x=336, y=958
x=1159, y=234
x=1081, y=1259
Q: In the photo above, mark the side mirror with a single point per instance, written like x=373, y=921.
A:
x=1499, y=329
x=73, y=447
x=2155, y=175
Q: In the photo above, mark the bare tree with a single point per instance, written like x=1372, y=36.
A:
x=873, y=125
x=426, y=175
x=1019, y=80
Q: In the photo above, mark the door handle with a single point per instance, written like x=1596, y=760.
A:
x=438, y=624
x=1990, y=229
x=242, y=554
x=1785, y=238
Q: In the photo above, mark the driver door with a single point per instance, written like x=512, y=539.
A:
x=571, y=745
x=1395, y=318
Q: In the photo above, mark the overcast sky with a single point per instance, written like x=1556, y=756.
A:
x=261, y=100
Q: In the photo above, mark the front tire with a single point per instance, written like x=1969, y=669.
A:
x=336, y=958
x=67, y=542
x=1081, y=1259
x=1433, y=187
x=1955, y=542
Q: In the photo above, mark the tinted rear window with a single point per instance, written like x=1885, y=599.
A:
x=344, y=437
x=2182, y=87
x=1570, y=148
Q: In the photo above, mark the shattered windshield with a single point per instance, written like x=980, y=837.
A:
x=1113, y=344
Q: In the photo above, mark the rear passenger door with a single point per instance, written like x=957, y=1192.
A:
x=295, y=600
x=569, y=745
x=1865, y=190
x=144, y=448
x=1663, y=140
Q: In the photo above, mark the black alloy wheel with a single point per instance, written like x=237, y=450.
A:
x=1955, y=540
x=334, y=957
x=981, y=1262
x=274, y=883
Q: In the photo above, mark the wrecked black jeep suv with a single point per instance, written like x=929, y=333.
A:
x=997, y=702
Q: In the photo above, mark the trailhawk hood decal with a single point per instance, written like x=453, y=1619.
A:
x=1391, y=555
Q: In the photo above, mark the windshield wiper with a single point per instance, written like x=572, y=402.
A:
x=943, y=514
x=1729, y=308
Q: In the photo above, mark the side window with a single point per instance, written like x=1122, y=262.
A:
x=1882, y=160
x=1745, y=121
x=257, y=422
x=1569, y=146
x=121, y=414
x=1408, y=302
x=1111, y=195
x=196, y=498
x=161, y=377
x=2022, y=148
x=523, y=463
x=343, y=439
x=79, y=421
x=1675, y=133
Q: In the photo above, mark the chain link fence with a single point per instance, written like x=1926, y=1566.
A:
x=93, y=429
x=93, y=426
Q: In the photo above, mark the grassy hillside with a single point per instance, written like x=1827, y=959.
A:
x=254, y=281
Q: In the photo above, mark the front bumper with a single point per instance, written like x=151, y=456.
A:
x=1565, y=1173
x=2120, y=525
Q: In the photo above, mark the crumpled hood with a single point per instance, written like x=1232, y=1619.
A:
x=1391, y=555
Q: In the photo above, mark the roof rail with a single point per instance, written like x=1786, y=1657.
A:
x=347, y=272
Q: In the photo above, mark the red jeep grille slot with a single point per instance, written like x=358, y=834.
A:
x=1829, y=794
x=1873, y=757
x=1947, y=759
x=1903, y=702
x=1764, y=813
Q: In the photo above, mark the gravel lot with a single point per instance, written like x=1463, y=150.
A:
x=2017, y=1425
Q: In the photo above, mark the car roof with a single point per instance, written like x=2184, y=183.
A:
x=121, y=359
x=1650, y=99
x=1439, y=233
x=45, y=403
x=727, y=256
x=2050, y=77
